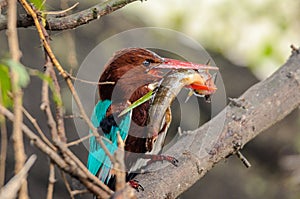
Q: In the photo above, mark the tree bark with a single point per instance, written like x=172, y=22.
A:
x=261, y=106
x=70, y=21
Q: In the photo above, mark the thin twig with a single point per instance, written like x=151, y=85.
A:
x=17, y=136
x=37, y=127
x=243, y=159
x=51, y=181
x=89, y=82
x=45, y=106
x=61, y=11
x=91, y=182
x=58, y=107
x=64, y=177
x=58, y=103
x=67, y=78
x=10, y=190
x=123, y=190
x=79, y=140
x=73, y=20
x=73, y=63
x=3, y=149
x=79, y=192
x=68, y=154
x=72, y=116
x=119, y=166
x=12, y=34
x=60, y=123
x=85, y=16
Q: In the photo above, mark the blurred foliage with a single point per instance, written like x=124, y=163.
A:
x=39, y=4
x=5, y=86
x=255, y=33
x=5, y=83
x=19, y=70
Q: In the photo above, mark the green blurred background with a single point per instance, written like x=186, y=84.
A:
x=248, y=40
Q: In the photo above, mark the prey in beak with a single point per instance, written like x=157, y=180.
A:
x=204, y=88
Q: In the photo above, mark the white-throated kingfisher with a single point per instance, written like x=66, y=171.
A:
x=133, y=72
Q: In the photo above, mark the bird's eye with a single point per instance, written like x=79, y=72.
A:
x=147, y=62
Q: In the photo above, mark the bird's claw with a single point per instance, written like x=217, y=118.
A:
x=136, y=185
x=155, y=158
x=172, y=160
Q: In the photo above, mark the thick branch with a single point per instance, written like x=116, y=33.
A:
x=257, y=109
x=73, y=20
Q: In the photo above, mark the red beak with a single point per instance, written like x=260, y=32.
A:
x=176, y=64
x=205, y=87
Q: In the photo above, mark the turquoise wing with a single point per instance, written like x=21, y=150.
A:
x=98, y=161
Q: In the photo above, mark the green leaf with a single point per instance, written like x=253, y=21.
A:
x=5, y=86
x=39, y=4
x=137, y=103
x=19, y=70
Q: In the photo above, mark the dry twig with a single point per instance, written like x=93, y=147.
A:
x=10, y=190
x=3, y=149
x=65, y=75
x=64, y=177
x=61, y=12
x=79, y=140
x=123, y=190
x=37, y=127
x=119, y=166
x=45, y=106
x=73, y=20
x=13, y=44
x=75, y=168
x=51, y=181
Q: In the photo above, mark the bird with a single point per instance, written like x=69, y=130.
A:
x=132, y=73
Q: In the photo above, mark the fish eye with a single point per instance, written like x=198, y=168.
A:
x=147, y=62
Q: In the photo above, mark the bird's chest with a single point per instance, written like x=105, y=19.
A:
x=136, y=139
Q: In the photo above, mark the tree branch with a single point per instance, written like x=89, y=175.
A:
x=198, y=151
x=66, y=160
x=73, y=20
x=10, y=190
x=65, y=75
x=3, y=152
x=17, y=135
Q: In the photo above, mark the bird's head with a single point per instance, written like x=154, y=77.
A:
x=133, y=69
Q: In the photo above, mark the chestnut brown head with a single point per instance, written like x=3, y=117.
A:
x=129, y=69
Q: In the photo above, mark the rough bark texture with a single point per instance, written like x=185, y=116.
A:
x=73, y=20
x=198, y=151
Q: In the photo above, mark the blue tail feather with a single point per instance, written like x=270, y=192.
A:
x=97, y=160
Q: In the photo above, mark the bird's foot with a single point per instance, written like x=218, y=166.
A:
x=136, y=185
x=155, y=158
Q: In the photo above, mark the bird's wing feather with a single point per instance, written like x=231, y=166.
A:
x=98, y=161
